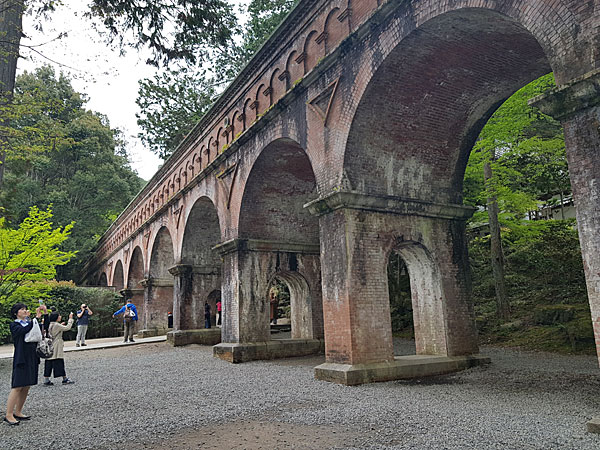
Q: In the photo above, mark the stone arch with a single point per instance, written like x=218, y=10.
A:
x=247, y=114
x=334, y=30
x=161, y=256
x=278, y=186
x=118, y=280
x=135, y=283
x=234, y=126
x=200, y=266
x=135, y=274
x=301, y=303
x=103, y=280
x=277, y=85
x=294, y=68
x=312, y=51
x=207, y=150
x=429, y=316
x=275, y=234
x=475, y=48
x=159, y=285
x=211, y=299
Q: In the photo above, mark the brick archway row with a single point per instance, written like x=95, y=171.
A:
x=386, y=120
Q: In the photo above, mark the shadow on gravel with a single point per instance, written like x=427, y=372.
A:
x=431, y=381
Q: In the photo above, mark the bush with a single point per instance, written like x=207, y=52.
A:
x=103, y=303
x=546, y=288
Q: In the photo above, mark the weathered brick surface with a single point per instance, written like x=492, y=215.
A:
x=582, y=137
x=372, y=97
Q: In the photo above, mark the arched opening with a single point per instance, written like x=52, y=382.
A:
x=202, y=233
x=212, y=300
x=282, y=239
x=117, y=279
x=400, y=297
x=103, y=280
x=290, y=305
x=160, y=283
x=134, y=284
x=410, y=139
x=433, y=94
x=280, y=184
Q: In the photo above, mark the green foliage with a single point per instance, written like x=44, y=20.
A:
x=173, y=102
x=546, y=284
x=527, y=153
x=264, y=16
x=62, y=154
x=29, y=256
x=400, y=296
x=281, y=291
x=103, y=303
x=171, y=29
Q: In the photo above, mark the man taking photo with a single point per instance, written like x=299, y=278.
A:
x=83, y=320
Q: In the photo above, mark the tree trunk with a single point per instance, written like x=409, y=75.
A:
x=562, y=206
x=11, y=30
x=497, y=255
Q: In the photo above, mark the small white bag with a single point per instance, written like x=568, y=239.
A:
x=35, y=334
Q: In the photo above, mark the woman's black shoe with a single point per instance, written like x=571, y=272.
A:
x=19, y=418
x=12, y=424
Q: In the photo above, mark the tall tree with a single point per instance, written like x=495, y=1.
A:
x=30, y=253
x=171, y=29
x=173, y=102
x=518, y=160
x=11, y=29
x=62, y=154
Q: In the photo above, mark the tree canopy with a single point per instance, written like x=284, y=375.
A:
x=62, y=154
x=30, y=254
x=173, y=102
x=526, y=151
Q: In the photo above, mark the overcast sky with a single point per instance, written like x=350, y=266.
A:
x=109, y=80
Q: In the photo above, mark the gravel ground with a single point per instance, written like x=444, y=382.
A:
x=154, y=396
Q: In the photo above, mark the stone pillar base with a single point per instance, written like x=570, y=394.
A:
x=403, y=367
x=151, y=332
x=204, y=336
x=274, y=349
x=593, y=426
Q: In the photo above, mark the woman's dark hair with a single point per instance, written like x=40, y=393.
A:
x=15, y=309
x=53, y=317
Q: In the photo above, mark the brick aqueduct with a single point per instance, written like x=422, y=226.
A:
x=345, y=139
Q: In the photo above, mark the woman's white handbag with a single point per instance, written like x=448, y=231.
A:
x=35, y=334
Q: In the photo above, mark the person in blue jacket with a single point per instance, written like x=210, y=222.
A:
x=25, y=363
x=130, y=318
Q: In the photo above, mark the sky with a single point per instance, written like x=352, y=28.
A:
x=109, y=80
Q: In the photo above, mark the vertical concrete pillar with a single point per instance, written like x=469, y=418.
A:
x=244, y=301
x=182, y=292
x=248, y=269
x=577, y=106
x=358, y=233
x=356, y=308
x=158, y=300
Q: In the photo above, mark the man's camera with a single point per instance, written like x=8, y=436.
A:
x=84, y=307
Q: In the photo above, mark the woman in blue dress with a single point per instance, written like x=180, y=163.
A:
x=25, y=363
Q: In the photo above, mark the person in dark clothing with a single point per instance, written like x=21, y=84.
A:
x=206, y=315
x=25, y=363
x=46, y=319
